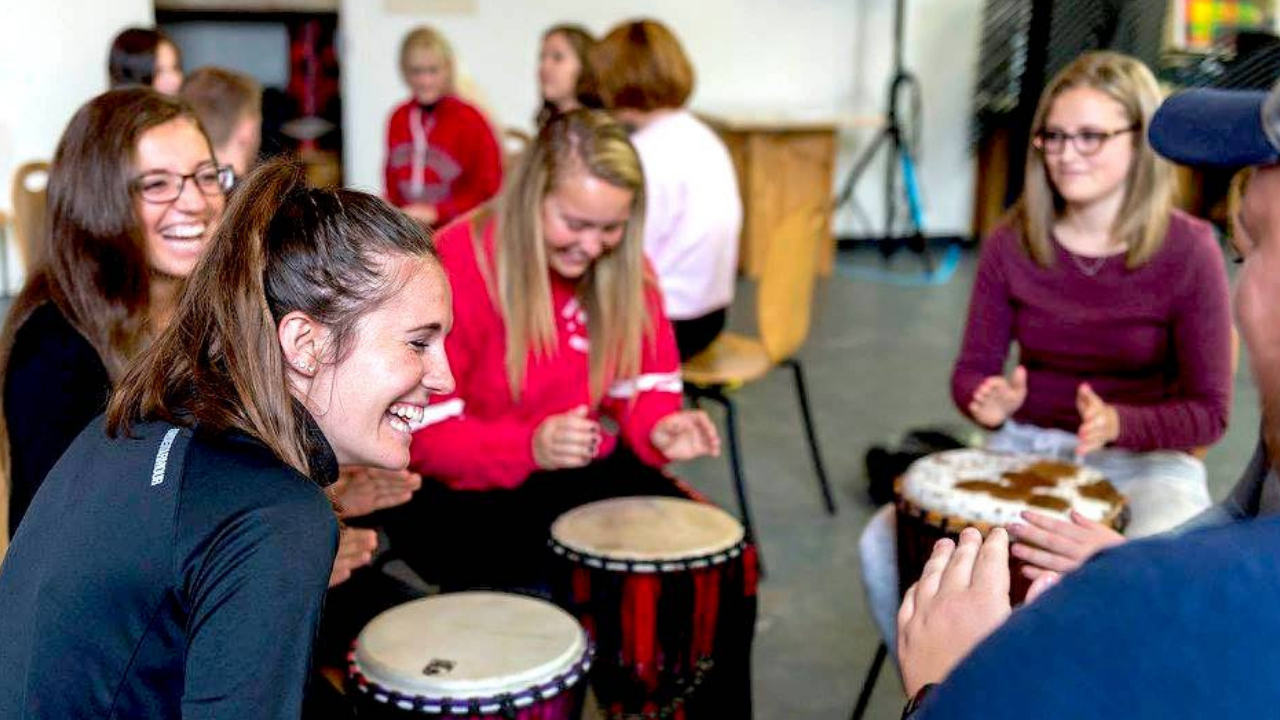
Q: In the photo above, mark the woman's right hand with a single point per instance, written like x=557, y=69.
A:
x=998, y=398
x=567, y=440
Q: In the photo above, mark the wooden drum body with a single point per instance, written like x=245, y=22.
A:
x=657, y=583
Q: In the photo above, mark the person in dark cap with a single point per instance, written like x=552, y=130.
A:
x=1168, y=627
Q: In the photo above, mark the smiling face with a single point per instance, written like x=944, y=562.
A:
x=1085, y=180
x=583, y=217
x=167, y=78
x=177, y=231
x=394, y=362
x=558, y=68
x=427, y=74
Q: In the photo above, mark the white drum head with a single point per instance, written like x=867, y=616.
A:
x=647, y=529
x=469, y=645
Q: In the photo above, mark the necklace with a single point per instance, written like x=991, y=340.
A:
x=1089, y=267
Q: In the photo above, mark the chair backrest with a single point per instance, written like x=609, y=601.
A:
x=29, y=200
x=785, y=293
x=514, y=142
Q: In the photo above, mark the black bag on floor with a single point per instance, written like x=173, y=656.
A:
x=884, y=464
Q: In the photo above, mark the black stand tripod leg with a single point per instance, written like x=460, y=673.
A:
x=869, y=682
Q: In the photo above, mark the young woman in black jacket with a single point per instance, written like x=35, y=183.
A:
x=176, y=559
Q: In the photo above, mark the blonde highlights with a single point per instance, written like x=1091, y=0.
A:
x=611, y=291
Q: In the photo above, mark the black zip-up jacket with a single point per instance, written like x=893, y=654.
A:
x=173, y=573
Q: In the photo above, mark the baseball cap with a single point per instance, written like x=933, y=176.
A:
x=1231, y=128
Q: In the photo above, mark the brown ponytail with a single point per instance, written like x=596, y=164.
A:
x=281, y=247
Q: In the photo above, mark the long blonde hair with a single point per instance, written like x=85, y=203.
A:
x=1143, y=219
x=613, y=289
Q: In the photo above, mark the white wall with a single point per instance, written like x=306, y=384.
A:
x=811, y=54
x=53, y=57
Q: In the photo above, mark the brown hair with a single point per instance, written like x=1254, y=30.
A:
x=612, y=291
x=132, y=59
x=222, y=98
x=640, y=65
x=1144, y=215
x=281, y=247
x=93, y=264
x=585, y=86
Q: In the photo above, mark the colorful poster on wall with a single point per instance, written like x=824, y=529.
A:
x=1206, y=22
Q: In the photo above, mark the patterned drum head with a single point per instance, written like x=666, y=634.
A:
x=469, y=645
x=647, y=529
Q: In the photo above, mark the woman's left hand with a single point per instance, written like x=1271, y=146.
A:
x=1099, y=422
x=685, y=435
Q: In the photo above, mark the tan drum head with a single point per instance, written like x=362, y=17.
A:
x=649, y=529
x=469, y=645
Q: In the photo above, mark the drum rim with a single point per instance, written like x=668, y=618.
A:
x=1117, y=519
x=542, y=691
x=724, y=550
x=647, y=567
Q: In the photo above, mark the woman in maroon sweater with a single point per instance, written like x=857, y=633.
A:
x=1118, y=304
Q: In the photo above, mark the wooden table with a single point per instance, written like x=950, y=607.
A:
x=785, y=161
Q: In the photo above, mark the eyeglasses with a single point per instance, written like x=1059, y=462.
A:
x=1086, y=142
x=165, y=187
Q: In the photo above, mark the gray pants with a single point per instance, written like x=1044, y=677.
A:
x=1165, y=489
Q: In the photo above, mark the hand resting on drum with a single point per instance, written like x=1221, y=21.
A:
x=566, y=440
x=998, y=398
x=1047, y=544
x=685, y=435
x=961, y=598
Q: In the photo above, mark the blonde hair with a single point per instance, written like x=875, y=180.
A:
x=1143, y=218
x=425, y=37
x=613, y=289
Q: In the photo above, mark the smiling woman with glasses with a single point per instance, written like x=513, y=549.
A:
x=134, y=194
x=1118, y=306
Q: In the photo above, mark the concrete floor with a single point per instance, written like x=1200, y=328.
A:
x=878, y=361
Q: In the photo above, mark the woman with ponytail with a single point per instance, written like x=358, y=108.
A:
x=178, y=554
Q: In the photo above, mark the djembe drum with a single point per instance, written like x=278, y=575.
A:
x=475, y=655
x=944, y=493
x=657, y=582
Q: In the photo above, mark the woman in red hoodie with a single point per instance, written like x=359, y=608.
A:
x=568, y=379
x=442, y=157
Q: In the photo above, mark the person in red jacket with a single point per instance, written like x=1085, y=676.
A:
x=442, y=157
x=568, y=379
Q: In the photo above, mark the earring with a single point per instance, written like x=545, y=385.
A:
x=305, y=366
